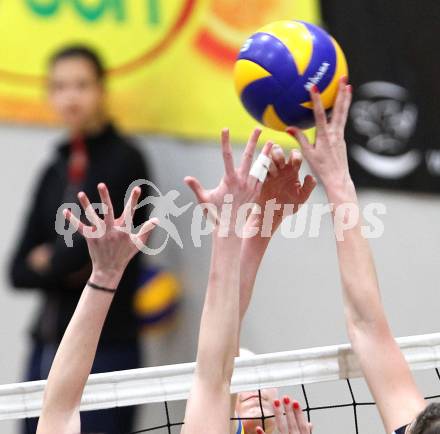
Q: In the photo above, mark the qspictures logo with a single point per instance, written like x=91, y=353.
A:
x=307, y=223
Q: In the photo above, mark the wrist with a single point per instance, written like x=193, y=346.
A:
x=108, y=278
x=229, y=226
x=342, y=189
x=226, y=238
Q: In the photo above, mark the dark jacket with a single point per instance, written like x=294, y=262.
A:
x=113, y=160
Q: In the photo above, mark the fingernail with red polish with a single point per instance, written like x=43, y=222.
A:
x=286, y=400
x=277, y=403
x=260, y=431
x=314, y=89
x=292, y=131
x=295, y=406
x=349, y=88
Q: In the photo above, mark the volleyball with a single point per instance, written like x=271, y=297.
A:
x=157, y=297
x=277, y=66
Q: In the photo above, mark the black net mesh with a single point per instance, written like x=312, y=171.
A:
x=344, y=404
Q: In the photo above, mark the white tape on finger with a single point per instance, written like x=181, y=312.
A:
x=260, y=167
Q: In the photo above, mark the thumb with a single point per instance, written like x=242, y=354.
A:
x=196, y=187
x=146, y=229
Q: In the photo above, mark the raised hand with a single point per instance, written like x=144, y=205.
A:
x=289, y=418
x=219, y=325
x=328, y=156
x=283, y=183
x=115, y=247
x=237, y=182
x=111, y=246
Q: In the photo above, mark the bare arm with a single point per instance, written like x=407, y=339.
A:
x=387, y=373
x=219, y=326
x=383, y=365
x=72, y=364
x=282, y=187
x=217, y=342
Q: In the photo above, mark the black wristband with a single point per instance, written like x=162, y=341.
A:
x=101, y=288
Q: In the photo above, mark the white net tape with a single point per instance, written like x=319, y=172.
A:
x=171, y=383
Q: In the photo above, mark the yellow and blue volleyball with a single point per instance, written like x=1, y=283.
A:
x=157, y=297
x=278, y=65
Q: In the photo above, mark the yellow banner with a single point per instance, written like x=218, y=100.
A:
x=169, y=61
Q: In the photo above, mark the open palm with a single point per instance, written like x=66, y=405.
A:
x=236, y=182
x=110, y=241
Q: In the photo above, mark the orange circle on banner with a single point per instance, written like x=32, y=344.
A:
x=254, y=15
x=228, y=24
x=183, y=15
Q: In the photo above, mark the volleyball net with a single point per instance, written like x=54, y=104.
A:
x=326, y=381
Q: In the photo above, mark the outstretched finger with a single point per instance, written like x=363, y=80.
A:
x=273, y=170
x=130, y=206
x=318, y=109
x=76, y=222
x=88, y=209
x=348, y=95
x=146, y=229
x=249, y=151
x=290, y=417
x=228, y=159
x=267, y=148
x=301, y=421
x=196, y=187
x=307, y=187
x=278, y=156
x=295, y=161
x=337, y=114
x=261, y=167
x=301, y=138
x=109, y=216
x=279, y=417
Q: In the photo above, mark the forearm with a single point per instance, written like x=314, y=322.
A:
x=218, y=338
x=75, y=355
x=363, y=306
x=252, y=253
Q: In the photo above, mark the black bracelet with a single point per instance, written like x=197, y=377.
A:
x=101, y=288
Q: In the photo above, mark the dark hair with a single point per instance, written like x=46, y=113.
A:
x=83, y=52
x=428, y=421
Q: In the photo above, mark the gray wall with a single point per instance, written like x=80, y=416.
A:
x=297, y=301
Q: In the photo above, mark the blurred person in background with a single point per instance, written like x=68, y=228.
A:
x=93, y=151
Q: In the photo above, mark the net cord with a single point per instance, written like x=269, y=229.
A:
x=173, y=382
